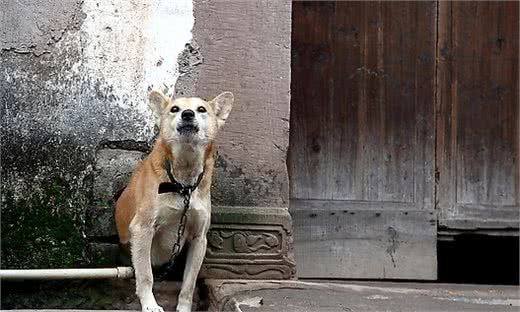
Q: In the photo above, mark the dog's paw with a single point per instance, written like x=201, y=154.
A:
x=183, y=307
x=154, y=308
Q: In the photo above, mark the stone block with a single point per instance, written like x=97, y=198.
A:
x=249, y=243
x=100, y=222
x=103, y=254
x=113, y=169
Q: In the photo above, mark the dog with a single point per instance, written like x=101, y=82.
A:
x=179, y=168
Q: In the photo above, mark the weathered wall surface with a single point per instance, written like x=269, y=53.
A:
x=74, y=76
x=73, y=82
x=246, y=49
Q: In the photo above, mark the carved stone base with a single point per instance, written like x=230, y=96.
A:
x=249, y=243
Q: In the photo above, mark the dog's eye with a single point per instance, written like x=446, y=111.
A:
x=201, y=109
x=174, y=109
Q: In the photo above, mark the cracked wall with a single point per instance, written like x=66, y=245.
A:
x=74, y=77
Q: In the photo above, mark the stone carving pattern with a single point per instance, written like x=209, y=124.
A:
x=250, y=271
x=244, y=241
x=250, y=251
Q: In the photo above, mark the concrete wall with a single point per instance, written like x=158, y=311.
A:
x=73, y=81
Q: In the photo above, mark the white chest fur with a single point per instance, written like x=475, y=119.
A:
x=170, y=207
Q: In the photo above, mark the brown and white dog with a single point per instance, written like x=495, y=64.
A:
x=147, y=220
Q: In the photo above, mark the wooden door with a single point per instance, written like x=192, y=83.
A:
x=362, y=139
x=478, y=117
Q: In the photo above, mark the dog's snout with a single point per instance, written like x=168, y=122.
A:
x=188, y=115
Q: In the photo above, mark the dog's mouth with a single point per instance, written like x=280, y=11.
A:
x=187, y=128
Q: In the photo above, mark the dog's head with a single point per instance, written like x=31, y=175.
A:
x=190, y=119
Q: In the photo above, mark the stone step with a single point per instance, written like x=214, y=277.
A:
x=84, y=295
x=325, y=296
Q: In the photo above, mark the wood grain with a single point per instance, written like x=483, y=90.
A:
x=362, y=101
x=379, y=244
x=362, y=139
x=477, y=136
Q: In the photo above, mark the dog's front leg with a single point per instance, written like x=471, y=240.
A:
x=191, y=271
x=141, y=243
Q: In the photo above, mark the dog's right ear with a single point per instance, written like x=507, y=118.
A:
x=158, y=103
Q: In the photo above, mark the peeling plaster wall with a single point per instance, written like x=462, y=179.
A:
x=74, y=74
x=34, y=26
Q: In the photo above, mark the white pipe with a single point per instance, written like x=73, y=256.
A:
x=59, y=274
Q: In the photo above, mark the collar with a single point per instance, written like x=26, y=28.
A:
x=176, y=187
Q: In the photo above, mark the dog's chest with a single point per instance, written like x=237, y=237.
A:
x=170, y=207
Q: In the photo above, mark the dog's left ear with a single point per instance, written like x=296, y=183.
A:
x=222, y=106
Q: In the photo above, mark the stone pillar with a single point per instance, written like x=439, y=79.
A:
x=244, y=47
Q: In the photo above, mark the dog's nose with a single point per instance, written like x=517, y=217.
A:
x=187, y=115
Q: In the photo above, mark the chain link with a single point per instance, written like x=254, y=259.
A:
x=180, y=231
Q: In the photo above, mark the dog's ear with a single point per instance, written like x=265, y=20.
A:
x=222, y=106
x=158, y=102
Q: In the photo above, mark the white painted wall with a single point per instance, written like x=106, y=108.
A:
x=133, y=46
x=122, y=49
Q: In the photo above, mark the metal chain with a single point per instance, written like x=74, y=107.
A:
x=180, y=232
x=182, y=226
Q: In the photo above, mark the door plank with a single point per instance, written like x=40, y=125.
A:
x=361, y=119
x=478, y=136
x=332, y=243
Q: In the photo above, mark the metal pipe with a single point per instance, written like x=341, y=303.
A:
x=60, y=274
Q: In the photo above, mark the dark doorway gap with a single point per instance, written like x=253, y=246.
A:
x=479, y=259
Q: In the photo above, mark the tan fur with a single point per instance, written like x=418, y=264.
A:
x=144, y=182
x=147, y=220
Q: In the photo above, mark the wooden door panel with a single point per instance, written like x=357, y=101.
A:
x=364, y=243
x=477, y=146
x=362, y=137
x=368, y=137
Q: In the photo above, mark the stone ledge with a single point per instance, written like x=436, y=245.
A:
x=249, y=243
x=324, y=295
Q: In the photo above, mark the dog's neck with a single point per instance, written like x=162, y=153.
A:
x=186, y=160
